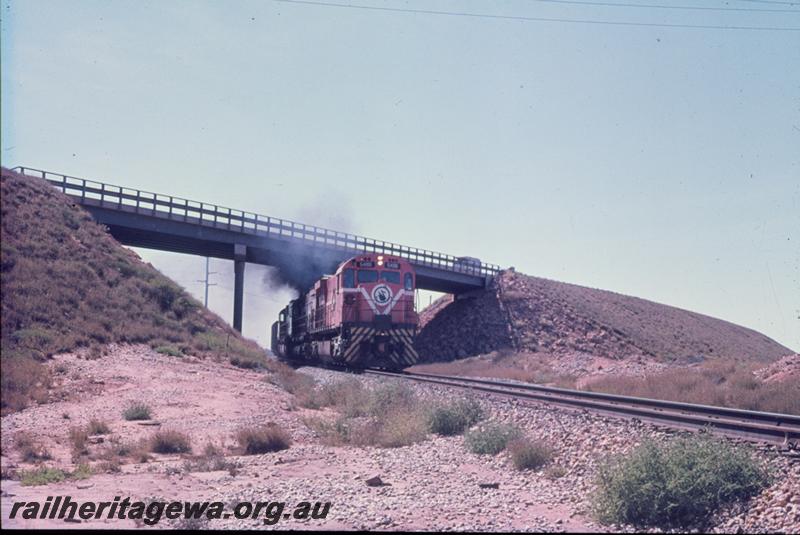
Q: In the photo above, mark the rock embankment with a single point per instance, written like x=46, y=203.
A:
x=544, y=316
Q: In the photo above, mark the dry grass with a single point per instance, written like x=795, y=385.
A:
x=501, y=364
x=97, y=427
x=170, y=441
x=527, y=454
x=263, y=439
x=79, y=439
x=137, y=410
x=718, y=382
x=211, y=460
x=389, y=416
x=30, y=449
x=23, y=380
x=116, y=451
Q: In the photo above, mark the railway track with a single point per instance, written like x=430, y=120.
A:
x=774, y=428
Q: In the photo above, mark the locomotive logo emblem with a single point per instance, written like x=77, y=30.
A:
x=381, y=294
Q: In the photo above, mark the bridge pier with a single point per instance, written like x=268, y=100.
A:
x=239, y=255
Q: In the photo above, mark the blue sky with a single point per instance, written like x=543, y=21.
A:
x=657, y=162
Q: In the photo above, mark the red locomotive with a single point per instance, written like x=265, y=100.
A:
x=361, y=316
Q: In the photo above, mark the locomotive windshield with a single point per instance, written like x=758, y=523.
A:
x=391, y=276
x=349, y=278
x=367, y=275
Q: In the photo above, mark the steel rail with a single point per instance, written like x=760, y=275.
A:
x=749, y=415
x=760, y=428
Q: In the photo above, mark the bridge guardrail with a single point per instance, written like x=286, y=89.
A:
x=106, y=195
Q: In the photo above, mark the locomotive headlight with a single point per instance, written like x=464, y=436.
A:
x=380, y=260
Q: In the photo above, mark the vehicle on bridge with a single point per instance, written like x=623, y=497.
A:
x=362, y=316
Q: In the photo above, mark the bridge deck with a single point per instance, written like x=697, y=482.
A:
x=301, y=252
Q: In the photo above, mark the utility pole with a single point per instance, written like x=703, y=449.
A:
x=207, y=284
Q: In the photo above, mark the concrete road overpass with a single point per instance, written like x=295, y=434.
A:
x=301, y=252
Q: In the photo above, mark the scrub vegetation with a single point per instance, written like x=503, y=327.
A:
x=677, y=484
x=67, y=285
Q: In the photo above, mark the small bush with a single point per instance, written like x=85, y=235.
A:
x=116, y=449
x=402, y=428
x=211, y=460
x=292, y=381
x=245, y=362
x=79, y=438
x=23, y=380
x=555, y=471
x=108, y=467
x=391, y=397
x=172, y=351
x=527, y=454
x=41, y=476
x=680, y=483
x=83, y=471
x=137, y=411
x=264, y=439
x=97, y=427
x=165, y=293
x=490, y=439
x=349, y=396
x=170, y=441
x=30, y=449
x=454, y=418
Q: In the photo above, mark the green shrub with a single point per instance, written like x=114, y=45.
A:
x=170, y=441
x=491, y=438
x=680, y=483
x=455, y=417
x=172, y=351
x=165, y=293
x=137, y=411
x=41, y=476
x=83, y=471
x=264, y=439
x=527, y=454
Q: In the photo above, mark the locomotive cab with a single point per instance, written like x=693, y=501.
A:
x=361, y=316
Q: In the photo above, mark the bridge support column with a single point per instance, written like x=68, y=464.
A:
x=239, y=255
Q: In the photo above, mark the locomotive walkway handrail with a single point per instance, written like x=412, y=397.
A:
x=93, y=193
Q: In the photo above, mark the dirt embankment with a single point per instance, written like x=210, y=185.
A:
x=67, y=284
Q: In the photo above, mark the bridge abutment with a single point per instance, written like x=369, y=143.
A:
x=239, y=256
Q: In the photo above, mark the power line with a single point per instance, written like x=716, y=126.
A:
x=772, y=2
x=536, y=19
x=659, y=6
